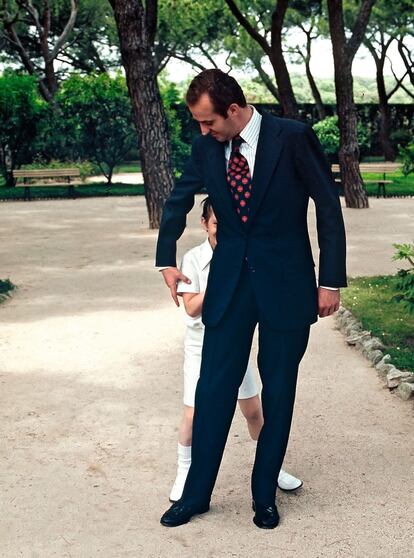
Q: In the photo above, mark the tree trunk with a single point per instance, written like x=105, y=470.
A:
x=343, y=52
x=385, y=121
x=275, y=53
x=51, y=80
x=406, y=58
x=355, y=194
x=149, y=116
x=312, y=83
x=315, y=92
x=286, y=95
x=266, y=79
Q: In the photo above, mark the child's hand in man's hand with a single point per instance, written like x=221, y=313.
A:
x=171, y=277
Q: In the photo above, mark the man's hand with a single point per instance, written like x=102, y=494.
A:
x=328, y=301
x=171, y=277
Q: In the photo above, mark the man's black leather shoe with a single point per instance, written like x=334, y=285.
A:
x=180, y=513
x=265, y=517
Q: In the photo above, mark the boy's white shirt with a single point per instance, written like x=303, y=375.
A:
x=195, y=266
x=248, y=148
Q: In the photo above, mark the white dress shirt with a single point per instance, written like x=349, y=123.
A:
x=195, y=266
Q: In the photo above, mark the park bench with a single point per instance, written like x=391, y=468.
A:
x=377, y=168
x=41, y=178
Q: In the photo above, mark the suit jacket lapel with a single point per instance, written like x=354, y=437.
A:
x=269, y=148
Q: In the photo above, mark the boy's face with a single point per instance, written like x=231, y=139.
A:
x=211, y=227
x=222, y=129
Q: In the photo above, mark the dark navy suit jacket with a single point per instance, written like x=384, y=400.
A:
x=290, y=167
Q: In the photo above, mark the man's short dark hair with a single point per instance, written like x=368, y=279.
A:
x=222, y=89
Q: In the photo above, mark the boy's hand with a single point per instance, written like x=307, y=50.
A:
x=171, y=277
x=328, y=301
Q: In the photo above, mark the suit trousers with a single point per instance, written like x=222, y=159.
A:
x=225, y=356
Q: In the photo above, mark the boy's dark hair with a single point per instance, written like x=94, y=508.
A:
x=222, y=89
x=207, y=208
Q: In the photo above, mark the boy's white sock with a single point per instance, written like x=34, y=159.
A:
x=183, y=465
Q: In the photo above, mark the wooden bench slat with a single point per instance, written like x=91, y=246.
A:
x=46, y=173
x=43, y=184
x=373, y=167
x=378, y=181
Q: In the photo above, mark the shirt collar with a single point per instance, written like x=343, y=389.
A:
x=250, y=132
x=206, y=253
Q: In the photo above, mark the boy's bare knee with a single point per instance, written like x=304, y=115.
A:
x=253, y=415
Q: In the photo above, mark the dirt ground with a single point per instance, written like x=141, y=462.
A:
x=90, y=372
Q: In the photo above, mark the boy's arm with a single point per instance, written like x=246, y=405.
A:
x=193, y=303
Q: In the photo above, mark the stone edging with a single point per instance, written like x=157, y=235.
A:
x=372, y=349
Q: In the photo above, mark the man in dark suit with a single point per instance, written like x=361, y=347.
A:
x=259, y=172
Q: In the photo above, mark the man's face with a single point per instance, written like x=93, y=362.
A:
x=222, y=129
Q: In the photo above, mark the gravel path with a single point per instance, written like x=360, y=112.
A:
x=90, y=372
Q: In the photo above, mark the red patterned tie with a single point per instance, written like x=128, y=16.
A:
x=239, y=180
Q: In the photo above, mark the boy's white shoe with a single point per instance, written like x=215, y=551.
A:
x=288, y=482
x=178, y=486
x=184, y=462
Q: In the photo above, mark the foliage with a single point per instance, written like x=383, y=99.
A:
x=405, y=282
x=87, y=190
x=370, y=300
x=20, y=111
x=327, y=131
x=97, y=109
x=191, y=31
x=6, y=287
x=407, y=156
x=180, y=150
x=95, y=47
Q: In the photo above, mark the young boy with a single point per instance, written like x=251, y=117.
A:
x=196, y=265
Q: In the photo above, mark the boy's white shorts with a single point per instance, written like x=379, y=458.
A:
x=192, y=363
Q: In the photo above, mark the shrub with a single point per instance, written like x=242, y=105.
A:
x=179, y=149
x=21, y=110
x=405, y=284
x=327, y=131
x=6, y=286
x=97, y=110
x=407, y=155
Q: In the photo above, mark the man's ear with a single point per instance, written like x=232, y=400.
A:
x=233, y=109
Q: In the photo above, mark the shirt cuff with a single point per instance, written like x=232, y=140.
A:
x=329, y=288
x=161, y=268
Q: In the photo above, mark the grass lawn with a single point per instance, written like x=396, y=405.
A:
x=130, y=166
x=96, y=189
x=401, y=185
x=6, y=286
x=370, y=301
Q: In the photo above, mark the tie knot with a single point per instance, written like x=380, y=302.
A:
x=236, y=143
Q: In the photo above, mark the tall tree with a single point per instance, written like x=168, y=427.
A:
x=385, y=25
x=92, y=45
x=137, y=25
x=27, y=26
x=344, y=50
x=191, y=32
x=407, y=57
x=309, y=18
x=259, y=32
